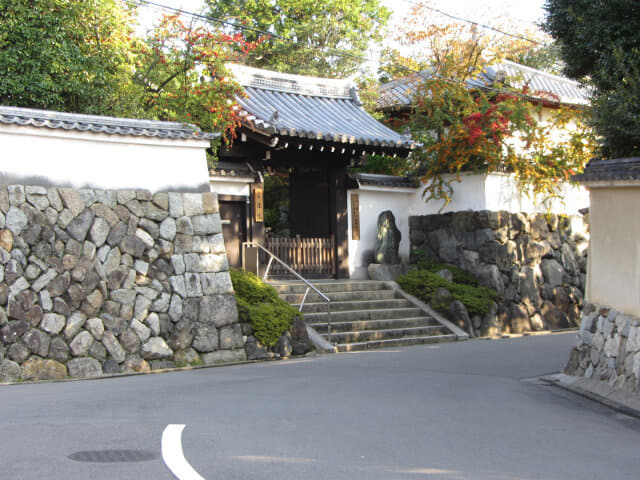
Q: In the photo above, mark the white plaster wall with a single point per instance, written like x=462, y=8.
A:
x=502, y=193
x=372, y=204
x=613, y=273
x=468, y=194
x=498, y=191
x=42, y=156
x=222, y=187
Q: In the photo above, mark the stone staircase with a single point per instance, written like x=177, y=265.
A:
x=364, y=314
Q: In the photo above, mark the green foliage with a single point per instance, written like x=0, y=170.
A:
x=271, y=320
x=181, y=75
x=83, y=57
x=600, y=44
x=251, y=289
x=423, y=283
x=276, y=200
x=381, y=164
x=317, y=27
x=424, y=262
x=259, y=304
x=464, y=130
x=64, y=54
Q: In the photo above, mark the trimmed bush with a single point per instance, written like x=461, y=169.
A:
x=259, y=304
x=423, y=262
x=423, y=283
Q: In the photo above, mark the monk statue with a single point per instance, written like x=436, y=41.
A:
x=388, y=240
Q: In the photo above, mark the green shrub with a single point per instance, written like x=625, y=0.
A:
x=422, y=260
x=271, y=320
x=259, y=304
x=251, y=289
x=422, y=283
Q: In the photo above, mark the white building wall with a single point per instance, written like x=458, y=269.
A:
x=373, y=201
x=225, y=187
x=42, y=156
x=499, y=191
x=469, y=194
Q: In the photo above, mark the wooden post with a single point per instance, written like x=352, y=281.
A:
x=339, y=220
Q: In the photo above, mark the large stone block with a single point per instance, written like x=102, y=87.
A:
x=218, y=310
x=156, y=348
x=206, y=338
x=84, y=368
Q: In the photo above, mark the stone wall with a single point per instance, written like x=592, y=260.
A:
x=535, y=262
x=97, y=281
x=607, y=348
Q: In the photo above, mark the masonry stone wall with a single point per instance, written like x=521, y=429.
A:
x=536, y=263
x=97, y=281
x=607, y=348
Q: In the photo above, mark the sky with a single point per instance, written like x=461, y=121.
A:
x=522, y=11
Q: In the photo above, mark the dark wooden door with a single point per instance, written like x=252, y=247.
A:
x=234, y=230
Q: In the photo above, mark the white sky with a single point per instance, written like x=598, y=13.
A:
x=488, y=12
x=519, y=10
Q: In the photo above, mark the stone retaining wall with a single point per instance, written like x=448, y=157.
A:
x=96, y=281
x=607, y=348
x=535, y=262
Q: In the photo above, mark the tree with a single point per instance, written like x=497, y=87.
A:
x=600, y=43
x=424, y=38
x=64, y=54
x=465, y=125
x=180, y=75
x=317, y=28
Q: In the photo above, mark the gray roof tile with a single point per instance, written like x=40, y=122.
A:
x=542, y=85
x=610, y=170
x=378, y=180
x=100, y=124
x=310, y=108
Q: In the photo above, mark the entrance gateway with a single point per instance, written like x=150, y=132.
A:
x=309, y=130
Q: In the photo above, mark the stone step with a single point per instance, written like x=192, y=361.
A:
x=321, y=307
x=391, y=323
x=385, y=334
x=395, y=342
x=313, y=297
x=359, y=315
x=328, y=286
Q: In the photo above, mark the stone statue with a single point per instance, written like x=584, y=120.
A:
x=388, y=240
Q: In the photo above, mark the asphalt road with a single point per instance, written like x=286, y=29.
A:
x=453, y=411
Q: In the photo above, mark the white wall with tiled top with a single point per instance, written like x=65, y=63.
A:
x=56, y=157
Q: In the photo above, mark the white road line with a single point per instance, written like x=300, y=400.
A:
x=173, y=456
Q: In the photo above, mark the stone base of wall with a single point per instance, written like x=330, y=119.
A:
x=97, y=282
x=536, y=263
x=607, y=348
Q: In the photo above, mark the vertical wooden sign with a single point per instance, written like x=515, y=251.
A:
x=258, y=204
x=355, y=216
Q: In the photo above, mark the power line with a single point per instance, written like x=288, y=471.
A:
x=422, y=74
x=238, y=26
x=478, y=24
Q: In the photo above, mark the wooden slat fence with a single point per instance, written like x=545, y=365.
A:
x=307, y=256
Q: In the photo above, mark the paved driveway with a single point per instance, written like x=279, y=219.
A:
x=451, y=411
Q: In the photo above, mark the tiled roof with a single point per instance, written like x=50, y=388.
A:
x=610, y=170
x=542, y=85
x=232, y=170
x=377, y=180
x=100, y=124
x=279, y=104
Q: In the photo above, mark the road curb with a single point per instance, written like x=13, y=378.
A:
x=153, y=372
x=617, y=399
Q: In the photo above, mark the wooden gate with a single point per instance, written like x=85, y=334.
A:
x=310, y=257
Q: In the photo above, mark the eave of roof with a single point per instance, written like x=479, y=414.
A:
x=318, y=109
x=101, y=124
x=543, y=86
x=390, y=181
x=619, y=170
